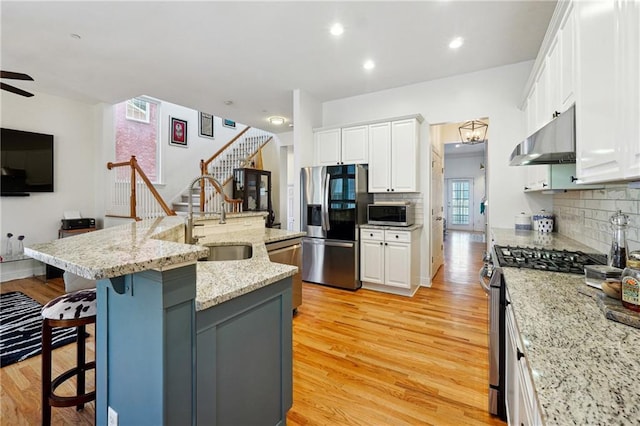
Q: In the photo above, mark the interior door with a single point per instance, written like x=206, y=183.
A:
x=437, y=212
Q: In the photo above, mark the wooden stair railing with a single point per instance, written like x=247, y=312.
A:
x=236, y=204
x=204, y=169
x=135, y=168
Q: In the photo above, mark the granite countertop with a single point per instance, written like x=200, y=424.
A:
x=392, y=228
x=142, y=245
x=584, y=367
x=218, y=281
x=117, y=251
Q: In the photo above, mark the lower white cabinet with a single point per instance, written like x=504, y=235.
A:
x=389, y=260
x=520, y=397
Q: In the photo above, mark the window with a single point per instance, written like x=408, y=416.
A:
x=460, y=202
x=138, y=110
x=137, y=136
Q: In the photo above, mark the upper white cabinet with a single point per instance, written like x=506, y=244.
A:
x=327, y=147
x=355, y=145
x=546, y=177
x=342, y=146
x=393, y=156
x=552, y=91
x=566, y=73
x=608, y=90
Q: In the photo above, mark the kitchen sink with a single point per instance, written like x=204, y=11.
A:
x=234, y=252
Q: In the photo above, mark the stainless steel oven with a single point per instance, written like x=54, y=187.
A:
x=492, y=281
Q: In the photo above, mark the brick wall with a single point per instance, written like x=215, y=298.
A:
x=584, y=215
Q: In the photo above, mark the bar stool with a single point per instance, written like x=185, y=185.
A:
x=76, y=309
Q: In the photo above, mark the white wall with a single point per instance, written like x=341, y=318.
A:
x=493, y=93
x=307, y=114
x=76, y=137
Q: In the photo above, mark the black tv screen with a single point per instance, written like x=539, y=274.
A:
x=27, y=162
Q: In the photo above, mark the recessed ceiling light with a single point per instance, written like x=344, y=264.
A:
x=76, y=36
x=228, y=102
x=276, y=121
x=336, y=29
x=456, y=43
x=369, y=64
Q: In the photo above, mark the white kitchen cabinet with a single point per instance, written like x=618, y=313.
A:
x=393, y=156
x=355, y=145
x=389, y=260
x=546, y=177
x=608, y=92
x=372, y=256
x=520, y=397
x=342, y=146
x=379, y=157
x=567, y=67
x=327, y=147
x=553, y=90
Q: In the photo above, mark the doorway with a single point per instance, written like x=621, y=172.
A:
x=461, y=186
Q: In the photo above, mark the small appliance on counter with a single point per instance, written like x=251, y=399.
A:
x=391, y=213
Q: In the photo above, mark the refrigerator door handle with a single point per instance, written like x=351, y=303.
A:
x=325, y=203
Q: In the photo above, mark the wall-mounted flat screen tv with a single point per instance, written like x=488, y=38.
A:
x=27, y=162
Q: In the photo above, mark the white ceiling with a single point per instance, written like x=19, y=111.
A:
x=201, y=54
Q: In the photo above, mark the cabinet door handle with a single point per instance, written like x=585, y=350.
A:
x=392, y=189
x=386, y=244
x=387, y=189
x=556, y=114
x=397, y=236
x=519, y=354
x=380, y=242
x=573, y=178
x=371, y=235
x=526, y=188
x=544, y=185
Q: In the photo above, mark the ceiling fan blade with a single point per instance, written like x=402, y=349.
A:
x=15, y=75
x=15, y=90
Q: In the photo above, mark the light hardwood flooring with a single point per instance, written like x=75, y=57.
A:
x=360, y=358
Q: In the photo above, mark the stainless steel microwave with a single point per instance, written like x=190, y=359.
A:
x=400, y=214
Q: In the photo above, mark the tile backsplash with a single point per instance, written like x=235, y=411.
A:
x=584, y=215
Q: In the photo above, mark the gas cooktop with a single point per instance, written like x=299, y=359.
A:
x=547, y=260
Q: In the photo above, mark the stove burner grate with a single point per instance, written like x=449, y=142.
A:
x=547, y=260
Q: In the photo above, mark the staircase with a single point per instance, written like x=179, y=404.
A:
x=237, y=153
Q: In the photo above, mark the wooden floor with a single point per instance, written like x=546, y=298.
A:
x=360, y=358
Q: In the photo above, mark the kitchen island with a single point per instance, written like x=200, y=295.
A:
x=182, y=341
x=583, y=367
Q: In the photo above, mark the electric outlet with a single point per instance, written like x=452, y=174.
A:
x=112, y=419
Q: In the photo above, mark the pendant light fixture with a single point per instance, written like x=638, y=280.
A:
x=473, y=132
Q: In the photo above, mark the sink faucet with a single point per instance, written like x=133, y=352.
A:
x=190, y=238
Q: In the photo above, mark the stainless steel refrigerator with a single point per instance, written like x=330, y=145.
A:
x=334, y=204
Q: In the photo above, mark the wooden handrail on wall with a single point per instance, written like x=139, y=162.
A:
x=133, y=163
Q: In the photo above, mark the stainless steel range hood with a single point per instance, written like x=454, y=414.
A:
x=555, y=143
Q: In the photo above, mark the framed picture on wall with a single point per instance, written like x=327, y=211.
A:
x=178, y=132
x=206, y=125
x=228, y=123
